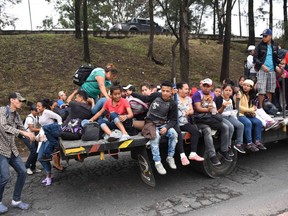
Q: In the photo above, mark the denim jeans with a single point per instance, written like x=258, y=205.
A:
x=46, y=164
x=52, y=132
x=224, y=137
x=98, y=105
x=233, y=122
x=114, y=117
x=172, y=141
x=249, y=125
x=19, y=167
x=32, y=158
x=208, y=140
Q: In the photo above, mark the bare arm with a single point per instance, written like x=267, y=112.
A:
x=97, y=115
x=101, y=83
x=70, y=98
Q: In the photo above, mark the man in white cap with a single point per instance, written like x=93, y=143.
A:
x=250, y=63
x=265, y=58
x=11, y=126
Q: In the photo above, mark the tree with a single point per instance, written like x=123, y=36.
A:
x=5, y=18
x=77, y=6
x=226, y=45
x=271, y=14
x=85, y=33
x=151, y=34
x=184, y=41
x=285, y=20
x=251, y=27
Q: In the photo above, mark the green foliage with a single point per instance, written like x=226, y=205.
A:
x=5, y=18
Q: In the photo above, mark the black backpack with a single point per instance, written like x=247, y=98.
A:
x=82, y=74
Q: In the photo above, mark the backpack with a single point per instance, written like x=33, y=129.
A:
x=137, y=105
x=82, y=74
x=91, y=132
x=7, y=113
x=72, y=131
x=246, y=70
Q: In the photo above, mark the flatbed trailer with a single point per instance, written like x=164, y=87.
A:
x=137, y=145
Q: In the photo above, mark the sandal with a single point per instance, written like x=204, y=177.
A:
x=185, y=161
x=196, y=158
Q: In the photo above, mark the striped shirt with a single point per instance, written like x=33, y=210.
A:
x=10, y=127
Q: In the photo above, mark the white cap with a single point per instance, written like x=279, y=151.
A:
x=128, y=87
x=207, y=81
x=61, y=93
x=249, y=82
x=250, y=48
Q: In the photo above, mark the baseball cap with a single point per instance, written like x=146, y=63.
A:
x=130, y=87
x=60, y=93
x=207, y=81
x=250, y=48
x=17, y=95
x=266, y=32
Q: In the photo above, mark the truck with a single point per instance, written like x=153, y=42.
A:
x=135, y=25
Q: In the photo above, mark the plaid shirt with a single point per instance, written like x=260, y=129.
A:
x=9, y=128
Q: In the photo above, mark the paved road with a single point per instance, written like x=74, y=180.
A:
x=113, y=187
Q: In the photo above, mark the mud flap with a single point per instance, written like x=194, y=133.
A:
x=145, y=166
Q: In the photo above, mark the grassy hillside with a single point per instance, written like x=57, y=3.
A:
x=41, y=65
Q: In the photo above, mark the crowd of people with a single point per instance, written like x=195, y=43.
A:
x=234, y=110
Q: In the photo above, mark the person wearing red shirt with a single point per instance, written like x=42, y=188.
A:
x=118, y=110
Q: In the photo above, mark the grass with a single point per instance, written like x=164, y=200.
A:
x=41, y=65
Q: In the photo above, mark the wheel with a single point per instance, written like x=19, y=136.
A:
x=212, y=171
x=225, y=168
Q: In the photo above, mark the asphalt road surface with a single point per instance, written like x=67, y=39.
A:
x=258, y=186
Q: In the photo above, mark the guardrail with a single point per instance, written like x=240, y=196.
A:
x=120, y=34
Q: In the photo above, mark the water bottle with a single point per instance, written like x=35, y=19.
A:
x=214, y=110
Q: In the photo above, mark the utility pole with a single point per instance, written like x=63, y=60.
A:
x=30, y=14
x=240, y=26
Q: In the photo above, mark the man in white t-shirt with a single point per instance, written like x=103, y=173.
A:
x=30, y=124
x=250, y=63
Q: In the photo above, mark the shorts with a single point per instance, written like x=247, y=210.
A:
x=266, y=82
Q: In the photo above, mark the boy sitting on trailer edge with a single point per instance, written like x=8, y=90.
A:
x=161, y=120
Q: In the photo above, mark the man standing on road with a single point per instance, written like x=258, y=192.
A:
x=11, y=126
x=265, y=59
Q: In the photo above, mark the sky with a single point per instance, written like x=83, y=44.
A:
x=40, y=9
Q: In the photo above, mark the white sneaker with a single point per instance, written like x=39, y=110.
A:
x=171, y=162
x=115, y=135
x=29, y=171
x=125, y=137
x=160, y=169
x=37, y=170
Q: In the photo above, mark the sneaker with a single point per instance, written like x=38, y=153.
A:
x=37, y=170
x=48, y=181
x=226, y=156
x=215, y=161
x=160, y=169
x=29, y=171
x=252, y=147
x=3, y=208
x=44, y=180
x=260, y=146
x=230, y=152
x=115, y=135
x=270, y=125
x=20, y=205
x=185, y=161
x=171, y=162
x=46, y=157
x=239, y=148
x=196, y=158
x=124, y=137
